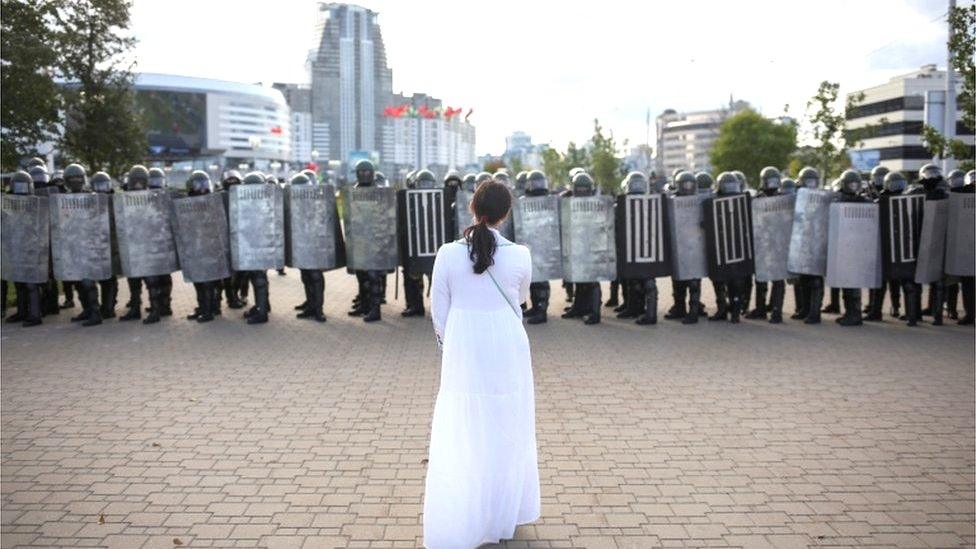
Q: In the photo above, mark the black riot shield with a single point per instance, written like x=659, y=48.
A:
x=728, y=237
x=901, y=226
x=424, y=222
x=642, y=242
x=26, y=243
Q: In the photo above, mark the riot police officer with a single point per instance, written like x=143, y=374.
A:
x=41, y=181
x=469, y=182
x=730, y=294
x=28, y=294
x=313, y=280
x=967, y=283
x=688, y=312
x=788, y=186
x=208, y=293
x=157, y=181
x=588, y=299
x=258, y=314
x=876, y=186
x=236, y=284
x=896, y=184
x=371, y=282
x=536, y=185
x=413, y=282
x=138, y=180
x=482, y=177
x=521, y=181
x=101, y=183
x=769, y=185
x=956, y=180
x=809, y=287
x=75, y=182
x=640, y=294
x=850, y=191
x=932, y=186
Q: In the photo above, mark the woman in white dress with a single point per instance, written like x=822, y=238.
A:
x=482, y=471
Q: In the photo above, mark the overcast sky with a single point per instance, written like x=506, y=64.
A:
x=550, y=68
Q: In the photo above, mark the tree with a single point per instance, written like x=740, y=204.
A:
x=515, y=164
x=494, y=165
x=576, y=157
x=747, y=141
x=605, y=167
x=102, y=127
x=29, y=102
x=554, y=166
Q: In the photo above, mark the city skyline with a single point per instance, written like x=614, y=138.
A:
x=772, y=58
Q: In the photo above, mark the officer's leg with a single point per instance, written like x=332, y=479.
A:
x=135, y=300
x=952, y=300
x=533, y=301
x=110, y=292
x=595, y=303
x=650, y=303
x=82, y=299
x=154, y=288
x=166, y=297
x=262, y=306
x=542, y=300
x=736, y=291
x=243, y=284
x=69, y=294
x=852, y=308
x=894, y=290
x=937, y=300
x=568, y=287
x=694, y=301
x=633, y=301
x=89, y=289
x=614, y=290
x=374, y=298
x=760, y=311
x=20, y=296
x=201, y=296
x=910, y=290
x=32, y=304
x=815, y=293
x=679, y=291
x=776, y=301
x=966, y=286
x=721, y=303
x=208, y=299
x=303, y=275
x=317, y=295
x=833, y=306
x=800, y=299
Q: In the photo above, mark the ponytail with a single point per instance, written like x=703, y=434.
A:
x=491, y=203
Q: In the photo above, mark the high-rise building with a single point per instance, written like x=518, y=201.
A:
x=299, y=99
x=519, y=146
x=434, y=141
x=351, y=84
x=685, y=140
x=894, y=113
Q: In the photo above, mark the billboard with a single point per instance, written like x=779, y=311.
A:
x=176, y=122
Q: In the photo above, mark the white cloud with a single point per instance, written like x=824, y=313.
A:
x=549, y=69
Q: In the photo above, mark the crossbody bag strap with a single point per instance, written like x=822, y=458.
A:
x=502, y=292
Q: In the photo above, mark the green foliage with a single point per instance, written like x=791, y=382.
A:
x=102, y=127
x=605, y=167
x=554, y=166
x=29, y=102
x=515, y=165
x=494, y=165
x=830, y=129
x=962, y=50
x=576, y=157
x=800, y=158
x=749, y=142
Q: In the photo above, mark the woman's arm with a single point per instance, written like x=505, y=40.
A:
x=526, y=276
x=440, y=293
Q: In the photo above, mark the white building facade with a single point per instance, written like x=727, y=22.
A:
x=685, y=140
x=438, y=143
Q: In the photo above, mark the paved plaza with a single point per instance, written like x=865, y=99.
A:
x=303, y=435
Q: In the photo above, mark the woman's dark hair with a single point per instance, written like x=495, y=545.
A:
x=490, y=204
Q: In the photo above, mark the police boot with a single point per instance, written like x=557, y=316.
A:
x=800, y=300
x=318, y=295
x=937, y=297
x=215, y=297
x=383, y=290
x=83, y=299
x=207, y=301
x=735, y=301
x=927, y=311
x=20, y=295
x=852, y=308
x=541, y=314
x=694, y=302
x=815, y=292
x=49, y=298
x=596, y=299
x=967, y=290
x=166, y=296
x=533, y=302
x=110, y=292
x=722, y=312
x=155, y=304
x=303, y=274
x=33, y=306
x=633, y=304
x=952, y=301
x=745, y=295
x=570, y=290
x=650, y=304
x=375, y=299
x=261, y=305
x=309, y=303
x=678, y=292
x=90, y=290
x=833, y=306
x=776, y=302
x=614, y=290
x=360, y=304
x=230, y=291
x=760, y=311
x=894, y=290
x=577, y=307
x=69, y=296
x=875, y=304
x=198, y=289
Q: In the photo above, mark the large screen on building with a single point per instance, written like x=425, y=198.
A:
x=177, y=121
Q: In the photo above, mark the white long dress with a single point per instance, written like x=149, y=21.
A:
x=483, y=472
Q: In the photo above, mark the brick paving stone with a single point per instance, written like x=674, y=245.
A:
x=306, y=435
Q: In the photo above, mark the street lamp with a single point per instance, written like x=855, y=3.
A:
x=255, y=142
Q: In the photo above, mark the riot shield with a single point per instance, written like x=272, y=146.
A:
x=854, y=246
x=901, y=226
x=588, y=247
x=536, y=224
x=369, y=217
x=424, y=223
x=257, y=227
x=26, y=245
x=81, y=236
x=200, y=227
x=772, y=224
x=462, y=212
x=642, y=245
x=145, y=234
x=313, y=235
x=932, y=241
x=686, y=236
x=728, y=237
x=808, y=241
x=960, y=241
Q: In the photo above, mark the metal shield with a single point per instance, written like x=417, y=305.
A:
x=462, y=211
x=932, y=242
x=901, y=226
x=257, y=227
x=313, y=238
x=536, y=220
x=81, y=236
x=808, y=241
x=854, y=245
x=772, y=224
x=200, y=227
x=728, y=237
x=145, y=234
x=369, y=216
x=589, y=248
x=686, y=236
x=642, y=245
x=424, y=223
x=960, y=241
x=26, y=243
